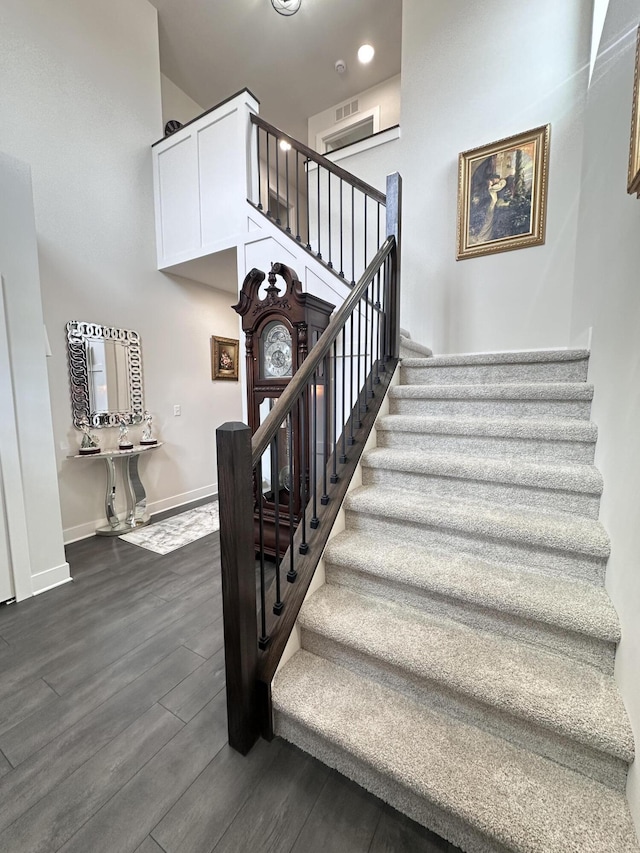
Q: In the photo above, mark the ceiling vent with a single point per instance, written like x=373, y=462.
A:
x=346, y=110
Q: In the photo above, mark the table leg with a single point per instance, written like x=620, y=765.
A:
x=137, y=515
x=110, y=496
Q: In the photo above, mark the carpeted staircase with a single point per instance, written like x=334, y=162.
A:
x=458, y=662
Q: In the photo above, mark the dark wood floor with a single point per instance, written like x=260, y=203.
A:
x=113, y=726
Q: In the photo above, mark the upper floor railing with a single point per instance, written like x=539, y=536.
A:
x=338, y=218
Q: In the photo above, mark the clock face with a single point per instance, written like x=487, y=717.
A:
x=276, y=351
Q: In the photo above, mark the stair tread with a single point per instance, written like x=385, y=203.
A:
x=551, y=429
x=496, y=391
x=543, y=528
x=413, y=346
x=487, y=358
x=572, y=605
x=572, y=699
x=523, y=801
x=576, y=477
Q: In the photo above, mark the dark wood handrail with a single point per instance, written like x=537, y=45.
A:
x=321, y=160
x=266, y=431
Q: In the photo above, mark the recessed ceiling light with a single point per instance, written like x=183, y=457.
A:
x=365, y=53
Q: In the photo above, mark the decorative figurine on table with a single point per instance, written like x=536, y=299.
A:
x=90, y=443
x=124, y=442
x=147, y=433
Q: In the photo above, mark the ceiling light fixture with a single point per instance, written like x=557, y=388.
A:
x=284, y=145
x=286, y=7
x=365, y=53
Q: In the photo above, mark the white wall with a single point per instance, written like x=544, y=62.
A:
x=607, y=298
x=28, y=469
x=385, y=95
x=80, y=102
x=473, y=73
x=176, y=104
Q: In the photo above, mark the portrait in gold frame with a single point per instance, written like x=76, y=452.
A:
x=502, y=194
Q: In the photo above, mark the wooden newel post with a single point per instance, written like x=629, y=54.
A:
x=394, y=227
x=235, y=492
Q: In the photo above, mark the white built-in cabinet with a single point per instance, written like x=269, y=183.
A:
x=197, y=173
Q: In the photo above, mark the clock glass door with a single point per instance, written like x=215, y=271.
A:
x=276, y=460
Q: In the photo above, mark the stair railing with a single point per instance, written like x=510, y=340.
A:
x=335, y=216
x=335, y=396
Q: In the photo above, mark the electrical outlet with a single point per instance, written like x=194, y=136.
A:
x=177, y=411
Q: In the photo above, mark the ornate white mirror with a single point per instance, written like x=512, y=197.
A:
x=105, y=374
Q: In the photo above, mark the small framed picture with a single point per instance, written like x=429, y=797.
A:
x=633, y=179
x=224, y=358
x=502, y=194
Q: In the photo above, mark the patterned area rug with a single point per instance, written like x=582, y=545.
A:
x=166, y=536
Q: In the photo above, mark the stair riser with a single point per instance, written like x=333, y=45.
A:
x=423, y=811
x=486, y=446
x=521, y=732
x=579, y=409
x=589, y=650
x=560, y=371
x=474, y=490
x=547, y=561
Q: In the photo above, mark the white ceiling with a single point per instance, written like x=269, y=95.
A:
x=213, y=48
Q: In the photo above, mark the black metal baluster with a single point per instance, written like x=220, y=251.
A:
x=286, y=169
x=324, y=500
x=353, y=238
x=268, y=176
x=308, y=206
x=277, y=150
x=263, y=640
x=334, y=407
x=259, y=178
x=377, y=377
x=329, y=263
x=361, y=402
x=343, y=455
x=352, y=410
x=368, y=382
x=304, y=546
x=365, y=231
x=341, y=228
x=387, y=301
x=292, y=574
x=319, y=253
x=298, y=237
x=275, y=489
x=315, y=521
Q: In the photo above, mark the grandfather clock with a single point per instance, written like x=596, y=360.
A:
x=279, y=328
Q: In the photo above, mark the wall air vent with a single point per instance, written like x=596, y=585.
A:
x=346, y=110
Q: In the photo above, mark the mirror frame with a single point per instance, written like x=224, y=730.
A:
x=78, y=332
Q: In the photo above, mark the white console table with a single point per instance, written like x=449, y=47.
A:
x=137, y=515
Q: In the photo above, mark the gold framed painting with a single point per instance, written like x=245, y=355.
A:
x=502, y=194
x=224, y=358
x=633, y=178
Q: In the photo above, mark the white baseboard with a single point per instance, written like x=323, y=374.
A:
x=184, y=498
x=50, y=578
x=87, y=529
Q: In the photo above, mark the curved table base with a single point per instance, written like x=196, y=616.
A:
x=137, y=515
